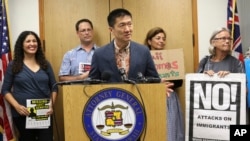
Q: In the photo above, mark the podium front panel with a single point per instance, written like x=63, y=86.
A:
x=75, y=97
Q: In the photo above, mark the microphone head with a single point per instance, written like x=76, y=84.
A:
x=143, y=79
x=122, y=72
x=106, y=75
x=153, y=80
x=140, y=76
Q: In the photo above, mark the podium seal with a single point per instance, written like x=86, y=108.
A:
x=113, y=114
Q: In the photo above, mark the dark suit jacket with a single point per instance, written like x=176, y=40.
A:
x=140, y=61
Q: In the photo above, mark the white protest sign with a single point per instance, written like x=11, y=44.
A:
x=213, y=104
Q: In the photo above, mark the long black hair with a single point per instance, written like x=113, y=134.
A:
x=19, y=52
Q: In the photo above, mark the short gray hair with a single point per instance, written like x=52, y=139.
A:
x=216, y=32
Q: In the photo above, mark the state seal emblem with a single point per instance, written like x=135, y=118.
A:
x=113, y=114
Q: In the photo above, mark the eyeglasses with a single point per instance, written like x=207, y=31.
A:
x=224, y=38
x=85, y=30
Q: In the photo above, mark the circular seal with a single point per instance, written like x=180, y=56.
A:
x=113, y=114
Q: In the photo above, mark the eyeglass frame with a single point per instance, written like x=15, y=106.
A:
x=224, y=38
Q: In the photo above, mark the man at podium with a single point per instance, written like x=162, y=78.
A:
x=123, y=58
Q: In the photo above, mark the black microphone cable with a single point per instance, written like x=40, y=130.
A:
x=142, y=102
x=144, y=110
x=122, y=72
x=104, y=77
x=84, y=91
x=54, y=112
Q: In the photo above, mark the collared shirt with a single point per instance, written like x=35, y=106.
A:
x=73, y=58
x=122, y=57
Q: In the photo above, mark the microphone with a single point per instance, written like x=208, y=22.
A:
x=106, y=75
x=124, y=76
x=123, y=73
x=104, y=78
x=152, y=80
x=142, y=79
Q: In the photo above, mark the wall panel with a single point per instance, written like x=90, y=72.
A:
x=60, y=17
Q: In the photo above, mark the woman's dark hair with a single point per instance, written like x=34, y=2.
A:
x=120, y=12
x=151, y=33
x=19, y=52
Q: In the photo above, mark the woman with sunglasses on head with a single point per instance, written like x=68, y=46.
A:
x=156, y=40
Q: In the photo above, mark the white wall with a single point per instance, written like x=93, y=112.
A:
x=213, y=14
x=23, y=15
x=244, y=10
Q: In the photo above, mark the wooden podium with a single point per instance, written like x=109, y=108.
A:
x=73, y=98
